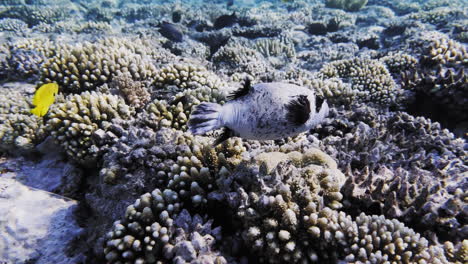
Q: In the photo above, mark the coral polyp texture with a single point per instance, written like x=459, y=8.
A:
x=381, y=179
x=73, y=122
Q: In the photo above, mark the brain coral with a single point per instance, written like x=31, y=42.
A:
x=73, y=122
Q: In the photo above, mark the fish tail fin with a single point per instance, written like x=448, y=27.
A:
x=321, y=115
x=36, y=111
x=204, y=118
x=39, y=111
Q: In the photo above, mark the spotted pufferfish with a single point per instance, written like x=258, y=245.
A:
x=265, y=111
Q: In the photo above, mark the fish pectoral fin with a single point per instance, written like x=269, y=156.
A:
x=225, y=135
x=244, y=90
x=298, y=110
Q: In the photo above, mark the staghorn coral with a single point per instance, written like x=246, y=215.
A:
x=348, y=5
x=369, y=79
x=87, y=66
x=73, y=122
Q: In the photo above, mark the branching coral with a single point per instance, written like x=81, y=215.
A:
x=399, y=62
x=14, y=25
x=34, y=15
x=281, y=48
x=417, y=198
x=155, y=229
x=399, y=166
x=238, y=58
x=286, y=216
x=23, y=59
x=135, y=92
x=348, y=5
x=160, y=113
x=87, y=66
x=180, y=77
x=73, y=123
x=19, y=130
x=167, y=155
x=369, y=79
x=443, y=50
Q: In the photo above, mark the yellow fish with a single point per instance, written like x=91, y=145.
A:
x=43, y=98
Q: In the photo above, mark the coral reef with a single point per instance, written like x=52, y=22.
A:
x=19, y=130
x=87, y=66
x=348, y=5
x=369, y=79
x=381, y=180
x=135, y=92
x=176, y=78
x=73, y=122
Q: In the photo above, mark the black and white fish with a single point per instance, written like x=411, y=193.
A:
x=264, y=111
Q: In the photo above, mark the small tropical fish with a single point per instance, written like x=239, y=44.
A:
x=225, y=21
x=43, y=98
x=171, y=32
x=264, y=111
